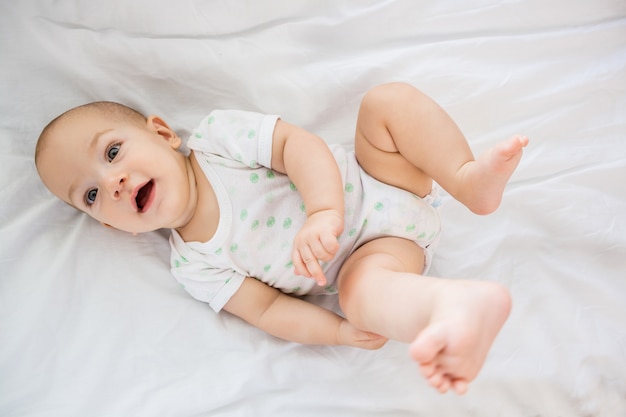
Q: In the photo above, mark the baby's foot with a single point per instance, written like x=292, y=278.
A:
x=486, y=177
x=453, y=346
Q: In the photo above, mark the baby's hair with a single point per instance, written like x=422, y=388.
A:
x=110, y=109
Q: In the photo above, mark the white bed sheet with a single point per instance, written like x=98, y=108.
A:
x=92, y=324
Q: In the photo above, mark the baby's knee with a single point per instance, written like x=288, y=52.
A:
x=383, y=95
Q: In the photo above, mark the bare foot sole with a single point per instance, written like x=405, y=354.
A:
x=452, y=348
x=487, y=177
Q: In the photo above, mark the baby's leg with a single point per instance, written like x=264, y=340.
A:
x=405, y=139
x=450, y=324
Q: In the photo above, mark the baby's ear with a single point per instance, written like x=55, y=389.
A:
x=158, y=125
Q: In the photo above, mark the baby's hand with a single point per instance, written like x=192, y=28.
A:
x=351, y=336
x=315, y=242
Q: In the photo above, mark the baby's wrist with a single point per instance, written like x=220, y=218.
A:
x=326, y=211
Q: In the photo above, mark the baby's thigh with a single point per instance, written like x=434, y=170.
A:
x=391, y=168
x=368, y=266
x=367, y=274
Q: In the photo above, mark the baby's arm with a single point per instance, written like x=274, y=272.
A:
x=294, y=319
x=310, y=165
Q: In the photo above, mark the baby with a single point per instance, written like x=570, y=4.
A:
x=262, y=211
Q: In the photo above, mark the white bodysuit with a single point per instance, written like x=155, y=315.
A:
x=261, y=211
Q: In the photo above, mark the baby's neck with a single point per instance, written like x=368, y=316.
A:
x=205, y=219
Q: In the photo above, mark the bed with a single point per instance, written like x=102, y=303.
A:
x=92, y=323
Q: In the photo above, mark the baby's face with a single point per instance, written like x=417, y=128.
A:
x=125, y=174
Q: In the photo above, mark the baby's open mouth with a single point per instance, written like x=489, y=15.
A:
x=143, y=195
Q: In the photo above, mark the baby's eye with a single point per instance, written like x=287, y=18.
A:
x=90, y=196
x=112, y=151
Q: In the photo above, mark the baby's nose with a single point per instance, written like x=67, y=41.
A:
x=116, y=185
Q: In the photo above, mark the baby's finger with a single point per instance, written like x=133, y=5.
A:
x=304, y=260
x=299, y=264
x=311, y=265
x=316, y=272
x=330, y=243
x=319, y=251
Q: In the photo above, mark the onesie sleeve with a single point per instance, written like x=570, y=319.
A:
x=239, y=136
x=212, y=284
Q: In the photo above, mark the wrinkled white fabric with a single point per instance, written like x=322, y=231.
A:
x=91, y=321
